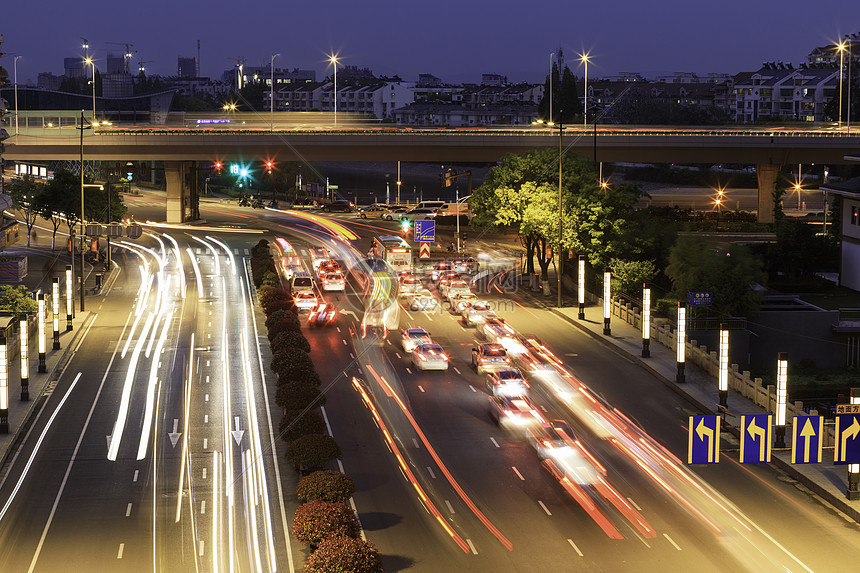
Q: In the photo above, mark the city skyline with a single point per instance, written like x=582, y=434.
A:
x=620, y=36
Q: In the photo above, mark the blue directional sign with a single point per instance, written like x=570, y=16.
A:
x=806, y=440
x=425, y=231
x=703, y=446
x=700, y=298
x=847, y=449
x=756, y=438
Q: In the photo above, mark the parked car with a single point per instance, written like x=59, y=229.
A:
x=376, y=212
x=339, y=205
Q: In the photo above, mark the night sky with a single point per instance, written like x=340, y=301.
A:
x=456, y=40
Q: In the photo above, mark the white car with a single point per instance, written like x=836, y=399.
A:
x=563, y=455
x=508, y=382
x=477, y=313
x=466, y=266
x=333, y=281
x=422, y=300
x=496, y=330
x=453, y=288
x=515, y=413
x=305, y=300
x=409, y=285
x=413, y=337
x=429, y=357
x=462, y=301
x=318, y=257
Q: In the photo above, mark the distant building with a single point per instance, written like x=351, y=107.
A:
x=117, y=85
x=48, y=81
x=116, y=64
x=829, y=54
x=251, y=74
x=454, y=115
x=374, y=100
x=186, y=67
x=493, y=80
x=778, y=91
x=74, y=68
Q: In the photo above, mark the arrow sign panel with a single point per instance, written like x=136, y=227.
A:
x=806, y=441
x=847, y=449
x=755, y=438
x=425, y=231
x=424, y=251
x=703, y=446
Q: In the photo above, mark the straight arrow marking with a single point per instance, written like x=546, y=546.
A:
x=237, y=433
x=806, y=433
x=174, y=435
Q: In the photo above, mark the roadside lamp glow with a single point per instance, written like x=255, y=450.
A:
x=681, y=344
x=723, y=380
x=4, y=387
x=25, y=357
x=781, y=394
x=607, y=301
x=70, y=303
x=42, y=341
x=580, y=287
x=646, y=321
x=243, y=172
x=55, y=306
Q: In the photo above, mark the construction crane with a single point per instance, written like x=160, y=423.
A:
x=126, y=56
x=140, y=66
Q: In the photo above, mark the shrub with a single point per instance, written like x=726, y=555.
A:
x=286, y=304
x=312, y=450
x=298, y=423
x=327, y=485
x=300, y=375
x=259, y=268
x=341, y=553
x=270, y=278
x=270, y=294
x=285, y=324
x=296, y=396
x=261, y=249
x=281, y=315
x=290, y=340
x=318, y=520
x=287, y=359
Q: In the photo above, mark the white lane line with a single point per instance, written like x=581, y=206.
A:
x=472, y=388
x=575, y=548
x=338, y=329
x=203, y=506
x=633, y=503
x=495, y=443
x=210, y=324
x=121, y=549
x=204, y=473
x=205, y=418
x=430, y=470
x=544, y=507
x=344, y=341
x=351, y=355
x=675, y=545
x=207, y=397
x=542, y=407
x=201, y=548
x=136, y=473
x=205, y=443
x=207, y=363
x=415, y=441
x=448, y=505
x=472, y=546
x=207, y=379
x=398, y=355
x=519, y=475
x=408, y=370
x=128, y=510
x=420, y=387
x=457, y=371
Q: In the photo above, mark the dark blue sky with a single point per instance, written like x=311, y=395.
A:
x=456, y=40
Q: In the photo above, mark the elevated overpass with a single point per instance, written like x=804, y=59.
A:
x=181, y=147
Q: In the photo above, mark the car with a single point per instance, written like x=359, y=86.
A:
x=339, y=205
x=301, y=282
x=447, y=276
x=318, y=257
x=563, y=455
x=515, y=412
x=429, y=357
x=322, y=314
x=421, y=300
x=412, y=337
x=376, y=212
x=452, y=288
x=333, y=281
x=439, y=268
x=417, y=214
x=508, y=382
x=328, y=267
x=537, y=356
x=409, y=285
x=478, y=312
x=305, y=300
x=489, y=356
x=460, y=301
x=466, y=265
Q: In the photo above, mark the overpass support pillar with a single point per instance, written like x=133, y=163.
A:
x=767, y=174
x=177, y=175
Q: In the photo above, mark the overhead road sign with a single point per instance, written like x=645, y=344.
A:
x=425, y=230
x=756, y=438
x=807, y=441
x=847, y=449
x=703, y=445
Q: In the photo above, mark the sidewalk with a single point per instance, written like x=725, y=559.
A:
x=825, y=479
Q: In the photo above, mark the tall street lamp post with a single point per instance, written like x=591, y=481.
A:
x=15, y=70
x=560, y=211
x=841, y=47
x=272, y=95
x=584, y=59
x=551, y=54
x=333, y=59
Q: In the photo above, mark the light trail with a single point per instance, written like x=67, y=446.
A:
x=187, y=414
x=177, y=254
x=149, y=411
x=193, y=257
x=226, y=250
x=214, y=253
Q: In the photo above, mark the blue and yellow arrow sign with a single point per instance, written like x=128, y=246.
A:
x=847, y=449
x=755, y=438
x=703, y=445
x=806, y=439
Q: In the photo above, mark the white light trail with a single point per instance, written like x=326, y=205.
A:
x=214, y=254
x=196, y=273
x=149, y=412
x=179, y=264
x=226, y=250
x=187, y=414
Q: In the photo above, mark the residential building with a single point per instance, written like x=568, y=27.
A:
x=779, y=92
x=374, y=100
x=455, y=115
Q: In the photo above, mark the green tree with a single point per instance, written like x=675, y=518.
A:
x=298, y=423
x=17, y=299
x=25, y=194
x=569, y=103
x=312, y=450
x=318, y=520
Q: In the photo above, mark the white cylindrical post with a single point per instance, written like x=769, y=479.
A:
x=781, y=396
x=4, y=387
x=70, y=301
x=55, y=307
x=25, y=357
x=681, y=344
x=646, y=321
x=723, y=380
x=42, y=341
x=580, y=287
x=607, y=301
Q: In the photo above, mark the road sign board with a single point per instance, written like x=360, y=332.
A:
x=703, y=446
x=425, y=231
x=848, y=408
x=847, y=449
x=424, y=251
x=755, y=438
x=133, y=231
x=94, y=230
x=700, y=298
x=807, y=439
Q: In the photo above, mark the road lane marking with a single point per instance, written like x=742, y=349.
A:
x=207, y=397
x=201, y=547
x=338, y=329
x=398, y=355
x=121, y=549
x=205, y=443
x=544, y=507
x=203, y=506
x=575, y=548
x=430, y=470
x=204, y=473
x=449, y=506
x=408, y=370
x=420, y=387
x=134, y=479
x=207, y=379
x=415, y=441
x=472, y=547
x=542, y=407
x=670, y=540
x=128, y=510
x=495, y=443
x=519, y=475
x=205, y=418
x=457, y=371
x=207, y=363
x=633, y=503
x=351, y=355
x=344, y=341
x=472, y=388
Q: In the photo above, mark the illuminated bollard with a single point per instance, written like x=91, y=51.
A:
x=723, y=380
x=781, y=396
x=25, y=357
x=42, y=341
x=646, y=321
x=681, y=344
x=607, y=301
x=70, y=301
x=55, y=307
x=580, y=287
x=4, y=387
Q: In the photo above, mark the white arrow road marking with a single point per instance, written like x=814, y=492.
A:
x=237, y=433
x=174, y=435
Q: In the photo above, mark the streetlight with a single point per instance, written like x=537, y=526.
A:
x=841, y=47
x=723, y=379
x=551, y=54
x=82, y=128
x=551, y=125
x=229, y=106
x=15, y=68
x=272, y=95
x=90, y=62
x=585, y=59
x=333, y=60
x=781, y=397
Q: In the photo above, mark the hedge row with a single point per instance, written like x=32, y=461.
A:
x=324, y=520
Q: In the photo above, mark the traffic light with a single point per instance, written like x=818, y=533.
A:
x=405, y=224
x=269, y=166
x=217, y=167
